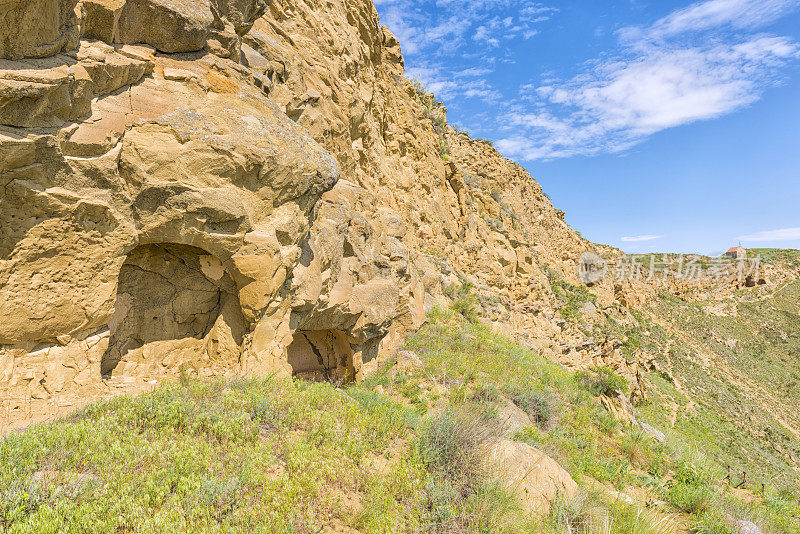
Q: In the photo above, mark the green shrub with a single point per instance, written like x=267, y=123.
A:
x=458, y=499
x=630, y=519
x=711, y=522
x=694, y=469
x=603, y=381
x=487, y=393
x=635, y=447
x=465, y=302
x=689, y=498
x=606, y=423
x=539, y=405
x=572, y=298
x=568, y=515
x=449, y=445
x=691, y=489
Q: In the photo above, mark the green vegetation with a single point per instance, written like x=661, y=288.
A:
x=787, y=257
x=604, y=381
x=541, y=406
x=270, y=455
x=398, y=452
x=465, y=301
x=742, y=373
x=572, y=298
x=477, y=364
x=457, y=497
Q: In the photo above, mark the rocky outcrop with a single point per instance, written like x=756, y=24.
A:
x=37, y=28
x=232, y=187
x=172, y=26
x=52, y=91
x=534, y=477
x=163, y=228
x=152, y=221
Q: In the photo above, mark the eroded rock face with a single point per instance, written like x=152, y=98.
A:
x=172, y=26
x=48, y=92
x=168, y=295
x=171, y=199
x=37, y=28
x=159, y=233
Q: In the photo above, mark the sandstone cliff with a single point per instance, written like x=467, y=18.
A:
x=232, y=187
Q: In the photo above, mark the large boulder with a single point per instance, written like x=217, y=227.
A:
x=170, y=26
x=534, y=477
x=173, y=26
x=512, y=418
x=37, y=28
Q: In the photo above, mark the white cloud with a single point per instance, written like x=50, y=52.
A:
x=696, y=63
x=450, y=85
x=472, y=72
x=638, y=238
x=700, y=16
x=782, y=234
x=438, y=35
x=654, y=84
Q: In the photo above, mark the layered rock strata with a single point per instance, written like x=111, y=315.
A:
x=231, y=187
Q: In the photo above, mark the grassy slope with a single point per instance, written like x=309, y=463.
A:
x=264, y=456
x=742, y=374
x=391, y=454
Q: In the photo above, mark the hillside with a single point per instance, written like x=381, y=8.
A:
x=252, y=279
x=399, y=452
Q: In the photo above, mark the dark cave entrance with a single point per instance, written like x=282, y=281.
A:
x=321, y=355
x=165, y=292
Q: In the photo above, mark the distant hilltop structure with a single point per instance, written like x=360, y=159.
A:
x=737, y=253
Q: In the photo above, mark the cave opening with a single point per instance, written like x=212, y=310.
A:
x=322, y=355
x=166, y=294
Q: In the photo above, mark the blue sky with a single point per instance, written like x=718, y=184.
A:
x=656, y=125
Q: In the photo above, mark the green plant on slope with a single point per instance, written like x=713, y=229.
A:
x=434, y=111
x=280, y=455
x=630, y=519
x=214, y=456
x=539, y=405
x=569, y=515
x=465, y=302
x=572, y=298
x=602, y=380
x=450, y=445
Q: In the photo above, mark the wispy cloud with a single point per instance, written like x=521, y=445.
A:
x=452, y=84
x=434, y=32
x=712, y=14
x=781, y=234
x=673, y=72
x=639, y=238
